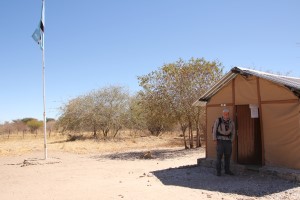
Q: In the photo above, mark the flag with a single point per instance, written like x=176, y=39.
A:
x=38, y=34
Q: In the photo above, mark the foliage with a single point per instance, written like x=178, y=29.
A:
x=50, y=120
x=25, y=120
x=165, y=101
x=104, y=110
x=136, y=115
x=170, y=92
x=34, y=125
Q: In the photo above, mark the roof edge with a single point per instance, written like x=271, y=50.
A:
x=292, y=83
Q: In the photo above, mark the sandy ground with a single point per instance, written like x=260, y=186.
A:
x=171, y=174
x=114, y=169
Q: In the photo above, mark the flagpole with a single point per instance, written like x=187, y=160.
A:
x=38, y=36
x=44, y=91
x=44, y=105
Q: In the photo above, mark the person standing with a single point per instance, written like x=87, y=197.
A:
x=223, y=135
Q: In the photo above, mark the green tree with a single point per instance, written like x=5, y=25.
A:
x=34, y=125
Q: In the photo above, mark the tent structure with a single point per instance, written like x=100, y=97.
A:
x=266, y=111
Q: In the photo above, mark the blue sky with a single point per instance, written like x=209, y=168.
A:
x=97, y=43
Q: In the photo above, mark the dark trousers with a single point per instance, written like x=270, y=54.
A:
x=223, y=147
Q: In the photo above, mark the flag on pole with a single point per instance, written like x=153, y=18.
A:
x=38, y=34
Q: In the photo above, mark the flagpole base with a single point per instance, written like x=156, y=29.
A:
x=45, y=153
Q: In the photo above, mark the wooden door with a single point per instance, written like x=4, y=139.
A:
x=249, y=137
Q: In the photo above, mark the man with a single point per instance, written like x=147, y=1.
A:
x=223, y=135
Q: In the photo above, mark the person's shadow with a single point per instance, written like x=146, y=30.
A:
x=198, y=177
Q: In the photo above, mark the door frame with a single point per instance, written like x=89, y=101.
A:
x=251, y=154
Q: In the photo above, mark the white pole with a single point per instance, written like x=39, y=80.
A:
x=44, y=93
x=44, y=106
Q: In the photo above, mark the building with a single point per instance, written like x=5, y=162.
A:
x=266, y=111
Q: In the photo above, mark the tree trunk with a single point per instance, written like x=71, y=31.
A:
x=183, y=129
x=105, y=132
x=117, y=131
x=50, y=132
x=198, y=137
x=191, y=136
x=94, y=131
x=197, y=120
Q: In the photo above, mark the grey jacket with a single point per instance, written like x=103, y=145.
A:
x=222, y=130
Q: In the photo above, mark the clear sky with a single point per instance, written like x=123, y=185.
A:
x=90, y=44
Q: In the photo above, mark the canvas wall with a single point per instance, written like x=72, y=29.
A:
x=282, y=135
x=280, y=117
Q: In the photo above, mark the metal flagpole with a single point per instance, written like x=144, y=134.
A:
x=44, y=93
x=38, y=36
x=44, y=106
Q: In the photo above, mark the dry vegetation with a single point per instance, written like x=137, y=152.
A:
x=16, y=144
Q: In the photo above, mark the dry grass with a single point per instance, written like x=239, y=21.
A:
x=15, y=144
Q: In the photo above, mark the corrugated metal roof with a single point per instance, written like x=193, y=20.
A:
x=291, y=83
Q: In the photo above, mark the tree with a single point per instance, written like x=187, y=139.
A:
x=34, y=125
x=20, y=125
x=174, y=88
x=110, y=107
x=25, y=120
x=50, y=119
x=136, y=117
x=50, y=126
x=6, y=127
x=155, y=103
x=71, y=118
x=102, y=110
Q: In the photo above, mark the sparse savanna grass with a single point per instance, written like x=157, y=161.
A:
x=18, y=144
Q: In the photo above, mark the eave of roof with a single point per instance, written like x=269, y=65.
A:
x=291, y=83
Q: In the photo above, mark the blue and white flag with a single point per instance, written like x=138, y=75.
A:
x=38, y=34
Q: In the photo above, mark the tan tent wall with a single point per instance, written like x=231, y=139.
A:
x=280, y=110
x=223, y=96
x=245, y=90
x=282, y=134
x=271, y=91
x=280, y=116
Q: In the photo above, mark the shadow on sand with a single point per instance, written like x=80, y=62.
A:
x=160, y=154
x=248, y=183
x=198, y=177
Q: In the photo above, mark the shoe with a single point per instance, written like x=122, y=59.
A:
x=218, y=173
x=229, y=173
